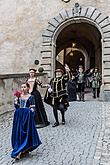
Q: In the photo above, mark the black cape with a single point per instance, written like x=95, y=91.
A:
x=71, y=88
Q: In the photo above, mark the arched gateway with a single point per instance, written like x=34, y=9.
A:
x=89, y=29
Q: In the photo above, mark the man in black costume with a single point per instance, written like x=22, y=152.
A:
x=81, y=77
x=59, y=94
x=81, y=80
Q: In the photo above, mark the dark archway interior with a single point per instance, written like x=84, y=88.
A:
x=74, y=60
x=83, y=35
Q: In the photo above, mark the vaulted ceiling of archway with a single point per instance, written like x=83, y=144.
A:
x=82, y=34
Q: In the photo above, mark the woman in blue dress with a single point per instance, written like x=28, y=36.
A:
x=24, y=134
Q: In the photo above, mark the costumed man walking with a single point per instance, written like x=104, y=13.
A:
x=59, y=94
x=81, y=80
x=96, y=83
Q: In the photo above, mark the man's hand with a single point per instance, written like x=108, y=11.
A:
x=67, y=68
x=49, y=89
x=91, y=71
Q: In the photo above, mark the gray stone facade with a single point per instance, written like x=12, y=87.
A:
x=30, y=28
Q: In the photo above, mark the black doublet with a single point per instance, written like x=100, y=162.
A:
x=58, y=86
x=59, y=93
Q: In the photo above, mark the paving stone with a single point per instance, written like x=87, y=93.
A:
x=74, y=143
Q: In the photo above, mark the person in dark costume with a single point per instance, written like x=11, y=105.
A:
x=81, y=80
x=24, y=134
x=96, y=82
x=71, y=88
x=41, y=116
x=59, y=94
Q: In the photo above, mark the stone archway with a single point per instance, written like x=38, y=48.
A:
x=77, y=14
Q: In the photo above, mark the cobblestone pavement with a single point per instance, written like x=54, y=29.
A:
x=102, y=155
x=72, y=144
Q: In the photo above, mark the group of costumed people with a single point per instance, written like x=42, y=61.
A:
x=78, y=81
x=30, y=111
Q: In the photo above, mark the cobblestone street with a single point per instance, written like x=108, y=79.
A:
x=84, y=140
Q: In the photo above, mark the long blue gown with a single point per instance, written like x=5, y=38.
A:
x=24, y=133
